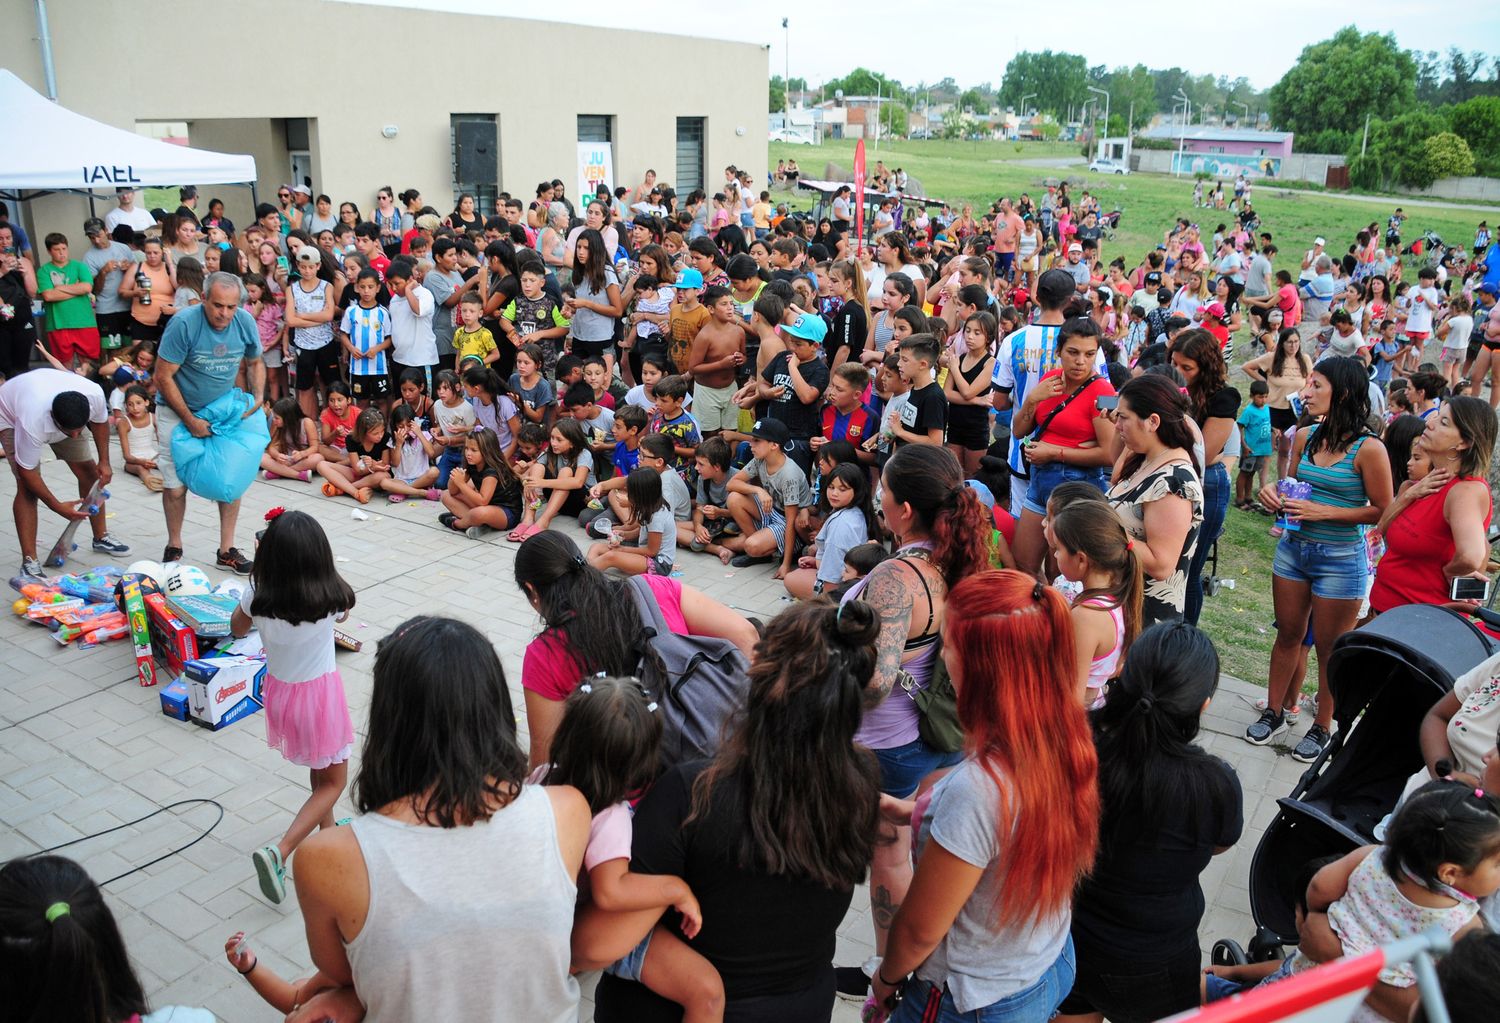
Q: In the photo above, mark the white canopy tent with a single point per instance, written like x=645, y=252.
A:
x=57, y=150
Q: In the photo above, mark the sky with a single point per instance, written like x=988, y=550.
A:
x=971, y=40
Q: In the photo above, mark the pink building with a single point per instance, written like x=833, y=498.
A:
x=1197, y=138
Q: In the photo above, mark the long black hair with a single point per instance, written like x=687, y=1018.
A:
x=574, y=599
x=857, y=478
x=61, y=954
x=608, y=743
x=1399, y=438
x=442, y=730
x=1348, y=406
x=808, y=794
x=643, y=491
x=1279, y=359
x=294, y=576
x=592, y=268
x=1150, y=770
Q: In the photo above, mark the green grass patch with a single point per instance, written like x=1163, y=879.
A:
x=968, y=172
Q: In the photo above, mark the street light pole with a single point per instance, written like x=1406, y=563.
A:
x=786, y=75
x=1187, y=115
x=1105, y=94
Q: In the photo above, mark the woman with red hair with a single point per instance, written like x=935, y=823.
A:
x=1011, y=830
x=942, y=534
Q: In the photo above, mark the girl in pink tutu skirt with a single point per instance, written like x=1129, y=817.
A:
x=294, y=597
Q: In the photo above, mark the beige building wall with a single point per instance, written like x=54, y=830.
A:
x=536, y=77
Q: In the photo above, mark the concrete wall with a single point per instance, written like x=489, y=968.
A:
x=535, y=76
x=1311, y=167
x=1481, y=189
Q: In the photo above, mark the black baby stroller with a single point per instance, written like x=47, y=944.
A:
x=1110, y=222
x=1384, y=677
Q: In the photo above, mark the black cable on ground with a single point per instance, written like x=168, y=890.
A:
x=167, y=855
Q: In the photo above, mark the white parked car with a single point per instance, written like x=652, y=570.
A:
x=1107, y=166
x=786, y=135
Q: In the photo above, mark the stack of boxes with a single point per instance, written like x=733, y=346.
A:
x=210, y=687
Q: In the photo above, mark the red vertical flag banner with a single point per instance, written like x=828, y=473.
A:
x=859, y=193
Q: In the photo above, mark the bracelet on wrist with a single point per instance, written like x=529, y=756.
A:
x=880, y=976
x=253, y=965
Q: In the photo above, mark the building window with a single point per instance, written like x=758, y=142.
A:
x=1260, y=152
x=689, y=154
x=475, y=141
x=596, y=128
x=1215, y=149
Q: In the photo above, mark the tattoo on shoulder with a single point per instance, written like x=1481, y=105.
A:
x=891, y=600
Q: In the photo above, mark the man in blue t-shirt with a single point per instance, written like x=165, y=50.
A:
x=200, y=356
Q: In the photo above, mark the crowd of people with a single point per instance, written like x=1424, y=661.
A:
x=988, y=457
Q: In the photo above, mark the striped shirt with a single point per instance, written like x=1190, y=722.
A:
x=366, y=329
x=1339, y=485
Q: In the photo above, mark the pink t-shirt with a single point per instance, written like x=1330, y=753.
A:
x=550, y=671
x=609, y=836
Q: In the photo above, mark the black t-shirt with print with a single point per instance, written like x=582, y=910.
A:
x=802, y=420
x=926, y=409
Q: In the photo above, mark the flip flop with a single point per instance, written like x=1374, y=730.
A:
x=520, y=533
x=329, y=490
x=395, y=498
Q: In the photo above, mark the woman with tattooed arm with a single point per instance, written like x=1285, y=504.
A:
x=942, y=533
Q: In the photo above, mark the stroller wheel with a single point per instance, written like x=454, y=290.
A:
x=1227, y=952
x=1210, y=586
x=1264, y=947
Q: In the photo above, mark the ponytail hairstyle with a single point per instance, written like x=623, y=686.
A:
x=930, y=479
x=1004, y=629
x=573, y=597
x=61, y=954
x=1092, y=528
x=808, y=792
x=1151, y=772
x=1156, y=394
x=608, y=743
x=486, y=379
x=849, y=270
x=1443, y=823
x=903, y=284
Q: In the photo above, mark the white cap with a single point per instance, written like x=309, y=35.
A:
x=1320, y=240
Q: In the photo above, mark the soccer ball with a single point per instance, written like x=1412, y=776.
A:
x=187, y=581
x=148, y=587
x=155, y=569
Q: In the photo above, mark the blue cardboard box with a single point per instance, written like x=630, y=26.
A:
x=174, y=699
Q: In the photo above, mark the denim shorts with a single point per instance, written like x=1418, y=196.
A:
x=1337, y=571
x=902, y=768
x=629, y=967
x=1034, y=1004
x=1045, y=478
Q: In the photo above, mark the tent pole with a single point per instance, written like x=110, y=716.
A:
x=44, y=37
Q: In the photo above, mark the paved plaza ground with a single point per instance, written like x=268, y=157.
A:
x=84, y=749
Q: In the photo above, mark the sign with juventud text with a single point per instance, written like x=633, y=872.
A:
x=596, y=166
x=859, y=193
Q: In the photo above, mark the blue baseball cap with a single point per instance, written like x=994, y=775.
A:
x=689, y=277
x=808, y=327
x=1490, y=288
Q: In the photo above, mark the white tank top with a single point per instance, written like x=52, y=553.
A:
x=143, y=440
x=469, y=923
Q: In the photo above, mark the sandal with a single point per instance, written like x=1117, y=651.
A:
x=434, y=494
x=446, y=519
x=329, y=490
x=395, y=498
x=521, y=532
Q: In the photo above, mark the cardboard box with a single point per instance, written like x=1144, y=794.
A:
x=174, y=699
x=224, y=689
x=173, y=642
x=207, y=614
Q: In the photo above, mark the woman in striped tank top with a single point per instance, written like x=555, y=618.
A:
x=1321, y=568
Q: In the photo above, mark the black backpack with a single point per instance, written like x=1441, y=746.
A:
x=699, y=682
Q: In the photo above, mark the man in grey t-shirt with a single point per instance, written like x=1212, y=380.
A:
x=1258, y=280
x=1076, y=267
x=110, y=261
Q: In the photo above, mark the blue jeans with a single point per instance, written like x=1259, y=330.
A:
x=1045, y=478
x=448, y=460
x=1216, y=493
x=1034, y=1004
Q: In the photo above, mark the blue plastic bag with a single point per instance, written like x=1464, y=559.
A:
x=222, y=465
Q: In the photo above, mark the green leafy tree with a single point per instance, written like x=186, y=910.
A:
x=1477, y=121
x=972, y=101
x=1335, y=83
x=1058, y=79
x=1397, y=152
x=894, y=118
x=864, y=82
x=777, y=98
x=1448, y=155
x=1132, y=89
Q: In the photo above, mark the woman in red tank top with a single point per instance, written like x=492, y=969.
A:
x=1436, y=529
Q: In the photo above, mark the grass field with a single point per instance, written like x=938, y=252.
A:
x=1239, y=619
x=981, y=172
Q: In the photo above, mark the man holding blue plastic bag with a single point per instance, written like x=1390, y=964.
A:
x=205, y=422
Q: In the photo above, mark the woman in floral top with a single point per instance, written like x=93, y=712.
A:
x=1157, y=490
